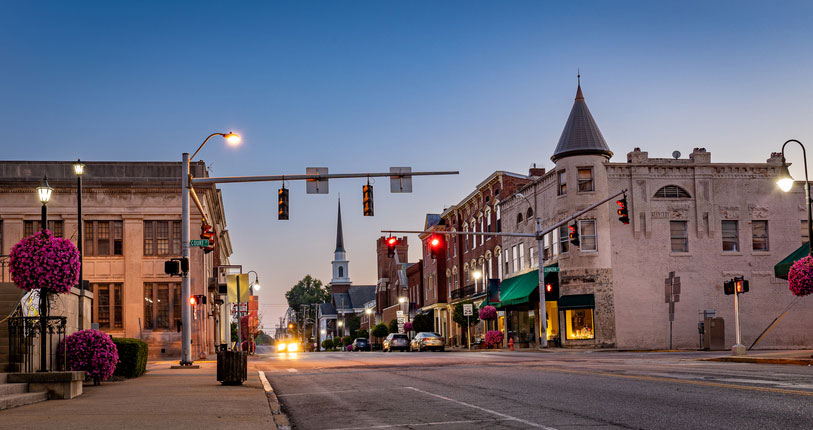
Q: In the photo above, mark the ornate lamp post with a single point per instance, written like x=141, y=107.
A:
x=44, y=193
x=79, y=170
x=785, y=183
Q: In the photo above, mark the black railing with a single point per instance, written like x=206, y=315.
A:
x=464, y=292
x=24, y=334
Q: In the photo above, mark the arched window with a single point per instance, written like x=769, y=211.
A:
x=519, y=217
x=341, y=272
x=530, y=214
x=672, y=192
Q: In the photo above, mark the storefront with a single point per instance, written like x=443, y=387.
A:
x=519, y=299
x=576, y=313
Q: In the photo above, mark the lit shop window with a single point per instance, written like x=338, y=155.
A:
x=579, y=324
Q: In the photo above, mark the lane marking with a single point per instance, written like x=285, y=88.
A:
x=264, y=380
x=437, y=423
x=292, y=370
x=499, y=414
x=685, y=381
x=316, y=393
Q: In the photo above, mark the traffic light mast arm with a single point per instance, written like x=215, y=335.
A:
x=197, y=203
x=314, y=177
x=541, y=233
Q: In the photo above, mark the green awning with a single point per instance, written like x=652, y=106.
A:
x=577, y=301
x=517, y=290
x=783, y=267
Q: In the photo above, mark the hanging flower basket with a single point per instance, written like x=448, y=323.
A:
x=488, y=313
x=493, y=338
x=407, y=326
x=44, y=262
x=91, y=351
x=800, y=277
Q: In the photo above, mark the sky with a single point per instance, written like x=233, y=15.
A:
x=360, y=86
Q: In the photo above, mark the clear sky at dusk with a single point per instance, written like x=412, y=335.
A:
x=362, y=86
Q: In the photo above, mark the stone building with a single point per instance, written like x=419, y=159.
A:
x=706, y=222
x=132, y=225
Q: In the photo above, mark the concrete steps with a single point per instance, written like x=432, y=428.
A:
x=14, y=395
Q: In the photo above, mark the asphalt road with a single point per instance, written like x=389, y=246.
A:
x=550, y=390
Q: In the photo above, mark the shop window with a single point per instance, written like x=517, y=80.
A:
x=552, y=308
x=585, y=179
x=56, y=228
x=587, y=235
x=562, y=178
x=103, y=238
x=731, y=240
x=679, y=236
x=579, y=324
x=759, y=235
x=162, y=238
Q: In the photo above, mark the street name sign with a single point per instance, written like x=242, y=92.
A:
x=468, y=310
x=199, y=242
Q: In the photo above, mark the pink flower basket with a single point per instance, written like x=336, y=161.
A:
x=91, y=351
x=44, y=262
x=493, y=338
x=488, y=313
x=800, y=277
x=407, y=326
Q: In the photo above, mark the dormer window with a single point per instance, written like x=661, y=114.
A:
x=672, y=192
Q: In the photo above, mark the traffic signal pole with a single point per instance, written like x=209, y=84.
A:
x=186, y=316
x=738, y=348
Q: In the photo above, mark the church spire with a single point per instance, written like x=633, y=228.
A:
x=339, y=235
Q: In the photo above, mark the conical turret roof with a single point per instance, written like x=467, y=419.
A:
x=581, y=134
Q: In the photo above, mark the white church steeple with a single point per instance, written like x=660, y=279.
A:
x=341, y=275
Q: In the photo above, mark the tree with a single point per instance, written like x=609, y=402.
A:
x=380, y=330
x=423, y=322
x=393, y=327
x=353, y=324
x=307, y=291
x=362, y=333
x=463, y=320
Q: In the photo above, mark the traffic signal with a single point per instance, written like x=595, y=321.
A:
x=367, y=199
x=435, y=245
x=290, y=326
x=193, y=300
x=282, y=212
x=741, y=285
x=176, y=266
x=623, y=214
x=574, y=234
x=552, y=289
x=207, y=232
x=391, y=242
x=728, y=287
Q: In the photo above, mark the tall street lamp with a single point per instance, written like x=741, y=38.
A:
x=785, y=183
x=79, y=170
x=186, y=316
x=543, y=312
x=254, y=286
x=44, y=193
x=369, y=313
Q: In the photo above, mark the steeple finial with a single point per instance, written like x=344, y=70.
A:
x=579, y=95
x=339, y=235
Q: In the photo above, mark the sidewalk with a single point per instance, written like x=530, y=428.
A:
x=161, y=398
x=801, y=357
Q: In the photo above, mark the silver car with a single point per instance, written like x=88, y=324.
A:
x=427, y=340
x=398, y=341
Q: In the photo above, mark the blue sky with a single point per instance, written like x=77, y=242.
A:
x=361, y=86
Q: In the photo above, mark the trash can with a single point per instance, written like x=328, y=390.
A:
x=232, y=367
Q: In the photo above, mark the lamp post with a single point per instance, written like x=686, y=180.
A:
x=79, y=170
x=785, y=183
x=369, y=313
x=543, y=312
x=44, y=193
x=186, y=316
x=254, y=286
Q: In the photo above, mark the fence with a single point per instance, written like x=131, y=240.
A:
x=24, y=335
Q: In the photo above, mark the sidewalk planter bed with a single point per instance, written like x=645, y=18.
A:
x=132, y=357
x=232, y=367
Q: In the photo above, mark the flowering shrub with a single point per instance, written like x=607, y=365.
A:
x=349, y=347
x=44, y=262
x=488, y=313
x=493, y=338
x=91, y=351
x=407, y=326
x=800, y=277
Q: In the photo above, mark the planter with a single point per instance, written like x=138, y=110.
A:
x=232, y=367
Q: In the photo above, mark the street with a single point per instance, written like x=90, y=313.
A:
x=551, y=390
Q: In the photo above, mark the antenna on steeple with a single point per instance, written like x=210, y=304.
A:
x=579, y=96
x=578, y=77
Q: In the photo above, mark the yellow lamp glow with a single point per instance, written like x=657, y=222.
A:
x=478, y=275
x=78, y=168
x=44, y=191
x=784, y=181
x=232, y=138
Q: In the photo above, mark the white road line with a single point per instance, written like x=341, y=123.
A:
x=317, y=393
x=264, y=380
x=499, y=414
x=437, y=423
x=292, y=370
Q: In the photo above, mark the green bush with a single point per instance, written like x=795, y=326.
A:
x=362, y=333
x=327, y=344
x=132, y=357
x=347, y=340
x=393, y=327
x=380, y=330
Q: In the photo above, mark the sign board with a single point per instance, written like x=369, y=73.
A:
x=399, y=314
x=199, y=242
x=316, y=186
x=551, y=269
x=243, y=308
x=231, y=288
x=400, y=184
x=468, y=310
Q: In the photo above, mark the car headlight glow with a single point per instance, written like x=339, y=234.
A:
x=293, y=347
x=281, y=347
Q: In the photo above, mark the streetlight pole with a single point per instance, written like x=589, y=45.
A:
x=540, y=255
x=785, y=183
x=79, y=169
x=44, y=192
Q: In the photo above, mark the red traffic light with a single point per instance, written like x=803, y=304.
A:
x=434, y=242
x=623, y=213
x=549, y=287
x=193, y=300
x=392, y=241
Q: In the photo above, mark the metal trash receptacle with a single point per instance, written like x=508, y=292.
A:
x=232, y=367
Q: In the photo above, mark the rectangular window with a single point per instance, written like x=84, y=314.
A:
x=521, y=256
x=515, y=258
x=149, y=322
x=117, y=313
x=54, y=226
x=162, y=306
x=731, y=239
x=506, y=268
x=466, y=239
x=102, y=292
x=546, y=244
x=103, y=238
x=579, y=324
x=162, y=238
x=482, y=229
x=562, y=190
x=176, y=306
x=679, y=236
x=587, y=235
x=585, y=179
x=564, y=238
x=531, y=259
x=108, y=305
x=759, y=235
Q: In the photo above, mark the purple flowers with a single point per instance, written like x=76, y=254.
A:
x=488, y=313
x=92, y=351
x=800, y=277
x=44, y=262
x=493, y=337
x=407, y=326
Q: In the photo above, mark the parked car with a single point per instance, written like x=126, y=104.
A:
x=398, y=341
x=427, y=340
x=361, y=344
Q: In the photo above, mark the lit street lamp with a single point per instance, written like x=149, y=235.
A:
x=79, y=170
x=785, y=183
x=44, y=193
x=255, y=286
x=186, y=316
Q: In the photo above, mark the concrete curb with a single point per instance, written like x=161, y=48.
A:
x=757, y=360
x=280, y=418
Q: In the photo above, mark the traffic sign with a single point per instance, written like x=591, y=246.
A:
x=468, y=310
x=400, y=184
x=316, y=186
x=199, y=242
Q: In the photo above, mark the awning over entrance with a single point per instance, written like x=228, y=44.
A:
x=517, y=290
x=783, y=267
x=577, y=301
